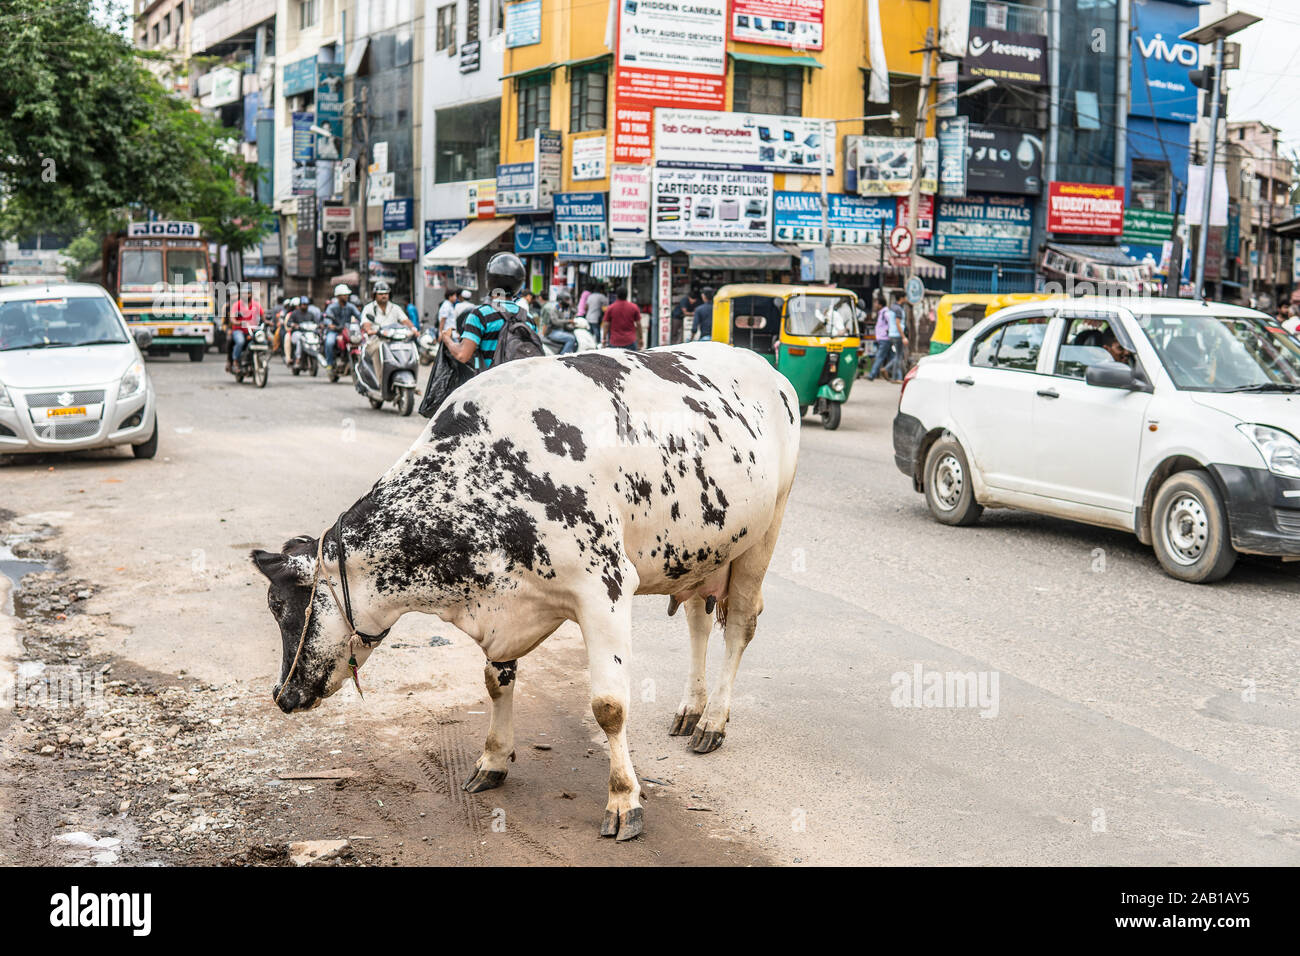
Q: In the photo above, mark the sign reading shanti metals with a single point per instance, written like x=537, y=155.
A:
x=984, y=227
x=1085, y=209
x=672, y=51
x=700, y=139
x=792, y=23
x=712, y=204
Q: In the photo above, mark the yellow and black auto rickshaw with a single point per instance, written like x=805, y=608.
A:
x=957, y=313
x=810, y=333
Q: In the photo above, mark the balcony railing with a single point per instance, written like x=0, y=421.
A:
x=1020, y=17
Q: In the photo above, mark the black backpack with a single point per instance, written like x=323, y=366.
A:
x=518, y=339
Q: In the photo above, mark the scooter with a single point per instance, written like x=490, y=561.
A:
x=581, y=331
x=400, y=361
x=313, y=354
x=255, y=361
x=428, y=344
x=345, y=356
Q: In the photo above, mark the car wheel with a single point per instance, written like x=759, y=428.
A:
x=1189, y=529
x=197, y=353
x=831, y=416
x=949, y=490
x=150, y=447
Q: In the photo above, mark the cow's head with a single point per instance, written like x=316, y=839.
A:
x=323, y=663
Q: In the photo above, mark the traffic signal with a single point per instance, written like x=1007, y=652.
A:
x=1205, y=79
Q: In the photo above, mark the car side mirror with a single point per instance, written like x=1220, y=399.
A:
x=1111, y=375
x=143, y=338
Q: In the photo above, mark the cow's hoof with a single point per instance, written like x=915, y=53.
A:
x=484, y=780
x=623, y=826
x=683, y=724
x=706, y=741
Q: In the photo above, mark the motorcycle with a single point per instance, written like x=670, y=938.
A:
x=345, y=358
x=581, y=331
x=400, y=361
x=255, y=361
x=313, y=349
x=428, y=344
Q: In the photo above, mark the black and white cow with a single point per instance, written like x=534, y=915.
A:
x=550, y=490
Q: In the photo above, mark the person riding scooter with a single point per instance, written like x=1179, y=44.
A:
x=245, y=316
x=483, y=326
x=381, y=314
x=303, y=311
x=339, y=316
x=557, y=324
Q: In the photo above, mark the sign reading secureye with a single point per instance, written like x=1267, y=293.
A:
x=1007, y=57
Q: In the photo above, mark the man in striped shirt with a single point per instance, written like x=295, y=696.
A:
x=483, y=326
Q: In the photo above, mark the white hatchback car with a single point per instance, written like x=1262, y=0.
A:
x=71, y=375
x=1173, y=419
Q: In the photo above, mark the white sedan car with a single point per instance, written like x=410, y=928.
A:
x=71, y=375
x=1173, y=419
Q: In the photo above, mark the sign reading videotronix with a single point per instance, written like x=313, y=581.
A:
x=792, y=23
x=1085, y=209
x=1006, y=57
x=699, y=139
x=712, y=204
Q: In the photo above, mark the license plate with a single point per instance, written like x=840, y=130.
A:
x=73, y=412
x=164, y=331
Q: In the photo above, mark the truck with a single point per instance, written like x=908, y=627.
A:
x=160, y=274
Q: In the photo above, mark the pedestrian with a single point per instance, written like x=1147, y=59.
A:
x=597, y=302
x=702, y=318
x=884, y=343
x=413, y=313
x=447, y=310
x=623, y=322
x=684, y=307
x=898, y=336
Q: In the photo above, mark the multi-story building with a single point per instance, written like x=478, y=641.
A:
x=164, y=26
x=1260, y=180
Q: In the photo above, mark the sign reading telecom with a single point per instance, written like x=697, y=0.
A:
x=580, y=226
x=698, y=139
x=985, y=227
x=854, y=220
x=1160, y=62
x=792, y=23
x=710, y=204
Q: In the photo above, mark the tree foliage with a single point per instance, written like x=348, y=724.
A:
x=89, y=136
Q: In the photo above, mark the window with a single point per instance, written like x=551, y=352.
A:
x=468, y=142
x=497, y=23
x=308, y=14
x=167, y=23
x=534, y=93
x=587, y=97
x=762, y=88
x=1151, y=185
x=1084, y=345
x=446, y=37
x=1013, y=345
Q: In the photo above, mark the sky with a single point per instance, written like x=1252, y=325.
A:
x=1267, y=87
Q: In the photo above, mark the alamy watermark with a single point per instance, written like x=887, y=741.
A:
x=56, y=686
x=951, y=689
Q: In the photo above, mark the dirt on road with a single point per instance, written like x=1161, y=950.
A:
x=106, y=761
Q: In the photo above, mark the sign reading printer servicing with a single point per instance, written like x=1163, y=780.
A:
x=712, y=204
x=984, y=227
x=697, y=139
x=854, y=220
x=580, y=226
x=672, y=51
x=792, y=23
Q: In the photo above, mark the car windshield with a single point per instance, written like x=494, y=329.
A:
x=59, y=323
x=1220, y=353
x=826, y=315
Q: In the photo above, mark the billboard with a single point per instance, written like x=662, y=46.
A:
x=629, y=203
x=711, y=205
x=853, y=220
x=581, y=231
x=1004, y=161
x=790, y=23
x=984, y=227
x=884, y=165
x=701, y=139
x=1007, y=57
x=1160, y=62
x=954, y=133
x=672, y=52
x=523, y=23
x=1085, y=209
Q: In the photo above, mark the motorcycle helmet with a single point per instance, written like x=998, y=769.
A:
x=505, y=271
x=341, y=289
x=381, y=288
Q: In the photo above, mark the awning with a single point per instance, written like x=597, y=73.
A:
x=1289, y=228
x=772, y=59
x=531, y=71
x=350, y=278
x=865, y=260
x=614, y=268
x=358, y=54
x=474, y=238
x=731, y=255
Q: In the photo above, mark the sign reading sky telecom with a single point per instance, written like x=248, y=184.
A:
x=792, y=23
x=700, y=139
x=984, y=227
x=580, y=226
x=854, y=220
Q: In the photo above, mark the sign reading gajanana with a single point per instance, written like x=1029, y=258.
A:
x=1147, y=226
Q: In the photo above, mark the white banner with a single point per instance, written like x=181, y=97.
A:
x=701, y=139
x=885, y=165
x=711, y=204
x=1196, y=196
x=954, y=27
x=878, y=84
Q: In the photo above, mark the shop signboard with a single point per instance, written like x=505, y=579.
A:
x=438, y=231
x=516, y=187
x=338, y=219
x=329, y=109
x=1085, y=209
x=581, y=226
x=534, y=236
x=953, y=134
x=1147, y=226
x=790, y=23
x=984, y=227
x=1018, y=58
x=588, y=158
x=854, y=220
x=523, y=23
x=712, y=205
x=884, y=165
x=629, y=203
x=702, y=139
x=399, y=214
x=1004, y=161
x=530, y=186
x=299, y=77
x=1160, y=62
x=481, y=195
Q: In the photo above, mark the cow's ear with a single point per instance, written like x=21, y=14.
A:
x=270, y=563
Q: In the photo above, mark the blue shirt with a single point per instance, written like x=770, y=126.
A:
x=483, y=327
x=703, y=320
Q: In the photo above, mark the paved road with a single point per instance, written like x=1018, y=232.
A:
x=1127, y=718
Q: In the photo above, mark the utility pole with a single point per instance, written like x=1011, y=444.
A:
x=1203, y=239
x=363, y=253
x=918, y=158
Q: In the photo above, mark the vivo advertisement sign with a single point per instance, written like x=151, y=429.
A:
x=1161, y=61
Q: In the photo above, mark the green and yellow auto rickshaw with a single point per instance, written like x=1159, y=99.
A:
x=810, y=333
